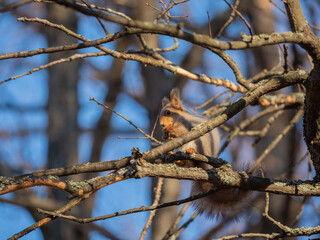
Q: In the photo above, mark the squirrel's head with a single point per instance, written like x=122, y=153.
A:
x=171, y=109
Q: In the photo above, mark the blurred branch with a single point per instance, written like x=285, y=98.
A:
x=230, y=19
x=153, y=212
x=172, y=230
x=12, y=6
x=186, y=224
x=274, y=143
x=234, y=8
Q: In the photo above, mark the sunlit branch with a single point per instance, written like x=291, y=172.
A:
x=12, y=184
x=293, y=98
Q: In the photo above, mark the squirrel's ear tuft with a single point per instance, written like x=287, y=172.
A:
x=175, y=98
x=165, y=101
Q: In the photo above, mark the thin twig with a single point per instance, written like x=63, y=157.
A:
x=209, y=234
x=101, y=24
x=284, y=12
x=219, y=108
x=167, y=8
x=155, y=124
x=130, y=211
x=131, y=123
x=50, y=64
x=120, y=14
x=298, y=216
x=132, y=137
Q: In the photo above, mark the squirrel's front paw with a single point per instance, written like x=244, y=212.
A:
x=180, y=163
x=168, y=133
x=190, y=151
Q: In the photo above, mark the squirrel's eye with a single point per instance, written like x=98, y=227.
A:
x=168, y=112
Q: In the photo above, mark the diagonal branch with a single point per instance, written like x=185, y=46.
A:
x=288, y=79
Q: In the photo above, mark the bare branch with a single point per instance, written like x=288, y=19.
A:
x=131, y=123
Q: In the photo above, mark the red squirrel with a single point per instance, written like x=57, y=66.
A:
x=176, y=120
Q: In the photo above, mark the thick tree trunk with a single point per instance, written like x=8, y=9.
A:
x=281, y=159
x=62, y=115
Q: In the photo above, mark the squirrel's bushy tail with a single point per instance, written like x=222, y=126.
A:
x=226, y=203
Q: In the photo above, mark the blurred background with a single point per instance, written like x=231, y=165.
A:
x=47, y=120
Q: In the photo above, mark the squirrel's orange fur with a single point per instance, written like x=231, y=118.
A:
x=176, y=121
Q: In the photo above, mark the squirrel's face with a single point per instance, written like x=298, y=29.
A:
x=170, y=115
x=167, y=122
x=166, y=119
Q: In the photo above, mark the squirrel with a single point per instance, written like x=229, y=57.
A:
x=175, y=121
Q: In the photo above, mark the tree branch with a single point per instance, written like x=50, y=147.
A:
x=198, y=39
